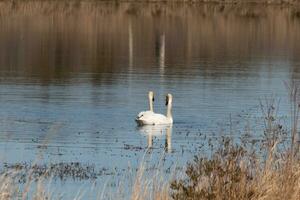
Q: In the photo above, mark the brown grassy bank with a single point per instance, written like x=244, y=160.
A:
x=95, y=37
x=277, y=2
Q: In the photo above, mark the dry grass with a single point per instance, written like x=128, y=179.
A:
x=143, y=187
x=183, y=1
x=232, y=173
x=146, y=188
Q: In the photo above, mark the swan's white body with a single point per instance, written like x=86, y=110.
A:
x=148, y=112
x=157, y=119
x=154, y=119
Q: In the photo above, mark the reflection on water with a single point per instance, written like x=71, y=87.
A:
x=158, y=132
x=60, y=40
x=85, y=67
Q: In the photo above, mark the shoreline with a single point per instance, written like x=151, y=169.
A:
x=188, y=2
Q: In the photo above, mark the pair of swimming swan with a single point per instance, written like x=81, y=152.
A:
x=149, y=117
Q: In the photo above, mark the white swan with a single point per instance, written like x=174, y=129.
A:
x=156, y=119
x=150, y=111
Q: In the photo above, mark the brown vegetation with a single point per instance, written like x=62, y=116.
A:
x=232, y=173
x=50, y=39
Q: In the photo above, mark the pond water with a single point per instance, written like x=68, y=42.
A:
x=73, y=76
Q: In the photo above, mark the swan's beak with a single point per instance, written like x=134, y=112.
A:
x=153, y=99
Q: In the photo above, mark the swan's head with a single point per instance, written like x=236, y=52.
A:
x=169, y=98
x=151, y=95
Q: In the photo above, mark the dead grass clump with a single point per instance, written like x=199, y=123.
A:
x=226, y=174
x=150, y=185
x=232, y=173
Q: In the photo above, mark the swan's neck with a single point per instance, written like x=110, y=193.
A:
x=169, y=111
x=150, y=105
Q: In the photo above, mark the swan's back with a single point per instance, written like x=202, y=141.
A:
x=153, y=119
x=148, y=112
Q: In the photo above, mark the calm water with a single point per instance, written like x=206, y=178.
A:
x=74, y=76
